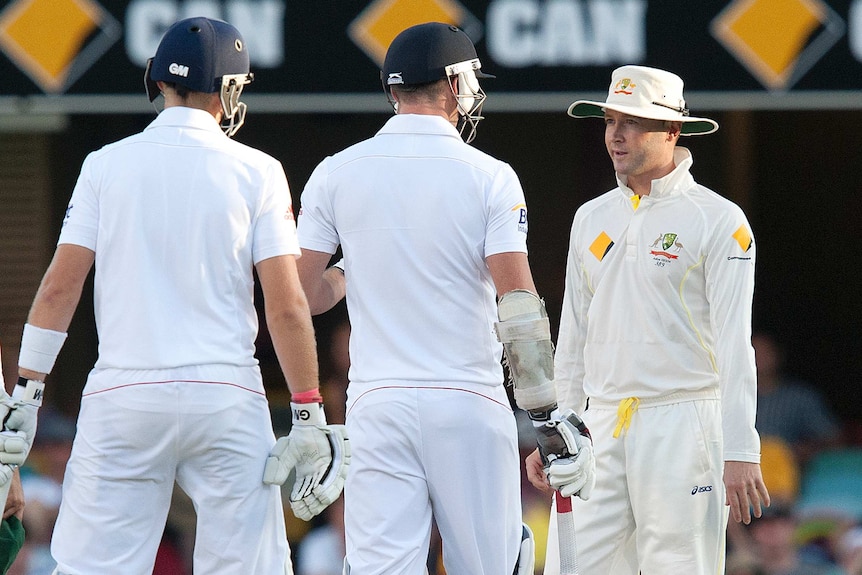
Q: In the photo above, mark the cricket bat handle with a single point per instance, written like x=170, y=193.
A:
x=566, y=534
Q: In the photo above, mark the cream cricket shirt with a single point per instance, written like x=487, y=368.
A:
x=658, y=300
x=178, y=215
x=417, y=211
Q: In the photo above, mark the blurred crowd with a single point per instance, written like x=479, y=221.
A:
x=811, y=464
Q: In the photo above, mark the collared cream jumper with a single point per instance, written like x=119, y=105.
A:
x=656, y=333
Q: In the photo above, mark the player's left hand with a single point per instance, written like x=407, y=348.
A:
x=745, y=490
x=18, y=428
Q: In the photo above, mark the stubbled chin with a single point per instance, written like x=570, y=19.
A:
x=619, y=165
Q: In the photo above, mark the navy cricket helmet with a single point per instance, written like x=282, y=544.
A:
x=204, y=55
x=421, y=53
x=433, y=51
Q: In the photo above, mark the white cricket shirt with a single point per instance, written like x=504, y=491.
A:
x=177, y=216
x=417, y=211
x=658, y=300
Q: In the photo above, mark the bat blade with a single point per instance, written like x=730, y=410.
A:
x=566, y=533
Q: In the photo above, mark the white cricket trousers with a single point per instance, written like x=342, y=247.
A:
x=132, y=443
x=658, y=504
x=423, y=450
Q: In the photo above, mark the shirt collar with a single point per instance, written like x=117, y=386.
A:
x=675, y=182
x=419, y=124
x=182, y=117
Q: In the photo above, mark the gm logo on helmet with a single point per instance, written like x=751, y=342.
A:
x=179, y=70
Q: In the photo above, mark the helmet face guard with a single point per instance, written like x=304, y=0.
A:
x=470, y=95
x=233, y=111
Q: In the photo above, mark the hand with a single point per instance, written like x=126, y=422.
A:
x=745, y=490
x=15, y=498
x=320, y=455
x=19, y=413
x=535, y=468
x=575, y=475
x=567, y=450
x=14, y=449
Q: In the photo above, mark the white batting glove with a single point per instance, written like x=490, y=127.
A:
x=567, y=448
x=19, y=421
x=6, y=473
x=320, y=455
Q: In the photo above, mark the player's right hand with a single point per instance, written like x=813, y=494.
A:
x=319, y=454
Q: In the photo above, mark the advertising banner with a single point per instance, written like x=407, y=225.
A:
x=760, y=53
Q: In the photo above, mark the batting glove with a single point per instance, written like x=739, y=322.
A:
x=6, y=473
x=319, y=454
x=567, y=449
x=19, y=421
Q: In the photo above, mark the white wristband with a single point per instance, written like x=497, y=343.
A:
x=339, y=264
x=39, y=348
x=308, y=413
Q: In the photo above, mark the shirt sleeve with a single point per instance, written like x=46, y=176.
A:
x=81, y=222
x=569, y=357
x=507, y=221
x=275, y=229
x=729, y=271
x=316, y=219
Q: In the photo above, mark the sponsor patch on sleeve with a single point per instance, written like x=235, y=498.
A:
x=743, y=238
x=601, y=246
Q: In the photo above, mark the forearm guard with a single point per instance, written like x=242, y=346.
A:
x=524, y=330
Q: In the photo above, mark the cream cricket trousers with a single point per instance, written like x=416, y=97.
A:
x=658, y=504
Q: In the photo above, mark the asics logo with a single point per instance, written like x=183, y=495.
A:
x=179, y=70
x=702, y=489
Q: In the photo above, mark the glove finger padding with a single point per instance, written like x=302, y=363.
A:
x=574, y=475
x=313, y=453
x=329, y=487
x=6, y=472
x=13, y=447
x=332, y=484
x=568, y=451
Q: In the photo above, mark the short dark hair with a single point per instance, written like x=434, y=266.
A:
x=181, y=91
x=427, y=91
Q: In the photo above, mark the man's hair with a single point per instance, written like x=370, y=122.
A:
x=426, y=92
x=179, y=89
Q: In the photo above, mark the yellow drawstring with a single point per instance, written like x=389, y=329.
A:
x=625, y=411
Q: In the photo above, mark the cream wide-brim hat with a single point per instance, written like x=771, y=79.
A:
x=646, y=93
